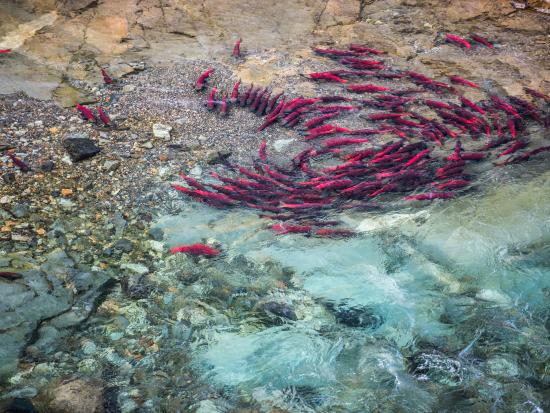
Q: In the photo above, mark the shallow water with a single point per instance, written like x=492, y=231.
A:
x=433, y=308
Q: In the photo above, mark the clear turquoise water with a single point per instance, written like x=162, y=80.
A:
x=439, y=307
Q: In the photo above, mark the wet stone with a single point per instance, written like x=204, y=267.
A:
x=124, y=245
x=20, y=210
x=156, y=233
x=8, y=177
x=47, y=166
x=80, y=147
x=136, y=286
x=17, y=405
x=278, y=311
x=78, y=396
x=214, y=157
x=359, y=316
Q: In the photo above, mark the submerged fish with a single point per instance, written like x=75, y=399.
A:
x=196, y=249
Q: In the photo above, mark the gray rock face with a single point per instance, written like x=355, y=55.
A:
x=80, y=148
x=40, y=298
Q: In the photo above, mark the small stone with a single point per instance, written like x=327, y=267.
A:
x=110, y=165
x=40, y=231
x=163, y=157
x=20, y=210
x=279, y=311
x=124, y=245
x=156, y=233
x=66, y=191
x=139, y=269
x=501, y=367
x=78, y=396
x=214, y=157
x=128, y=88
x=80, y=147
x=156, y=246
x=147, y=145
x=47, y=166
x=20, y=238
x=161, y=131
x=8, y=177
x=89, y=348
x=196, y=171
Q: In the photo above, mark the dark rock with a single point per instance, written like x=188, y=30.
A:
x=80, y=148
x=359, y=316
x=215, y=157
x=8, y=177
x=136, y=286
x=124, y=245
x=278, y=312
x=17, y=405
x=47, y=166
x=55, y=193
x=156, y=233
x=107, y=252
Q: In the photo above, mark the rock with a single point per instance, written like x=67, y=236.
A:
x=214, y=157
x=20, y=210
x=136, y=286
x=279, y=311
x=77, y=396
x=147, y=145
x=24, y=393
x=161, y=131
x=493, y=296
x=196, y=171
x=9, y=177
x=139, y=269
x=110, y=166
x=47, y=166
x=156, y=233
x=80, y=147
x=501, y=367
x=359, y=316
x=124, y=245
x=17, y=405
x=128, y=88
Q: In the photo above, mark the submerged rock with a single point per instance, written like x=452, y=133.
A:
x=17, y=405
x=359, y=316
x=277, y=312
x=77, y=396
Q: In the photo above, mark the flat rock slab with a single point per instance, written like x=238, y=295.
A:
x=80, y=148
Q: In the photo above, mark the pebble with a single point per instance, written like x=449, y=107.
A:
x=110, y=165
x=156, y=233
x=196, y=171
x=8, y=177
x=66, y=191
x=147, y=145
x=124, y=245
x=161, y=131
x=47, y=166
x=20, y=210
x=134, y=267
x=128, y=88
